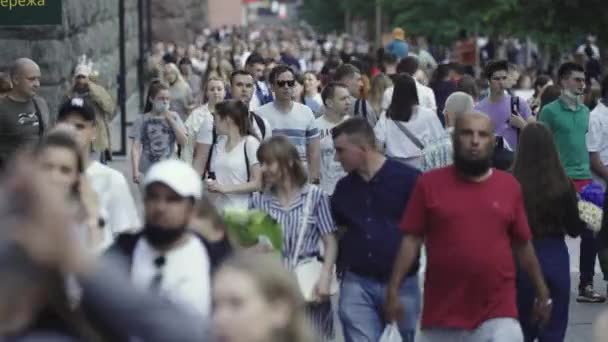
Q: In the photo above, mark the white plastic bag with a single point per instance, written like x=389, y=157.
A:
x=391, y=334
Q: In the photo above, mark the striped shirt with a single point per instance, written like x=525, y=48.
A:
x=320, y=221
x=298, y=125
x=438, y=153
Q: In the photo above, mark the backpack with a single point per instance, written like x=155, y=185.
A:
x=124, y=245
x=361, y=104
x=208, y=165
x=261, y=125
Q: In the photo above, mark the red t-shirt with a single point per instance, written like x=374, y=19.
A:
x=468, y=229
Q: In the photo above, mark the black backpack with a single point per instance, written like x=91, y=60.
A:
x=124, y=246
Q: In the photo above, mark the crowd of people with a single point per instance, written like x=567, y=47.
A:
x=376, y=176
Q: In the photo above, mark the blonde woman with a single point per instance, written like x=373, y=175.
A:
x=182, y=100
x=201, y=118
x=256, y=300
x=379, y=84
x=288, y=198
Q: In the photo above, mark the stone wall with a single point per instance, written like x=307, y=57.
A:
x=89, y=27
x=178, y=20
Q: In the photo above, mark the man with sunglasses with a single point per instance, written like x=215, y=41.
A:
x=293, y=120
x=508, y=114
x=568, y=119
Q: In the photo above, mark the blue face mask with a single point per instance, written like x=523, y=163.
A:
x=160, y=106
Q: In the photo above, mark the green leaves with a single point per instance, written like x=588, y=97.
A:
x=555, y=23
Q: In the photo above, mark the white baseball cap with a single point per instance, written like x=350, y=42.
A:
x=82, y=70
x=177, y=175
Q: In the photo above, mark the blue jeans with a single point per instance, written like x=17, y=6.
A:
x=361, y=308
x=552, y=254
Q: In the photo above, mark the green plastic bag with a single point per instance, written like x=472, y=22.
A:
x=251, y=227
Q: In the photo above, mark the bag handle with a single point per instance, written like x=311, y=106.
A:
x=409, y=134
x=303, y=226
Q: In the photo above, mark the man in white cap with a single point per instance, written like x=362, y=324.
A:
x=165, y=256
x=103, y=104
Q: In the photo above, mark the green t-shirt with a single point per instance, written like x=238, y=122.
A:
x=20, y=125
x=569, y=130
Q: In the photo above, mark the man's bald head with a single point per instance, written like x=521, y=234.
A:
x=25, y=75
x=20, y=65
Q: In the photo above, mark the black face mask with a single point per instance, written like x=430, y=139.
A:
x=161, y=237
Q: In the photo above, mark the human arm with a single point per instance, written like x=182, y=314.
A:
x=201, y=156
x=244, y=188
x=597, y=166
x=572, y=221
x=136, y=150
x=595, y=144
x=528, y=262
x=330, y=248
x=313, y=155
x=178, y=127
x=407, y=256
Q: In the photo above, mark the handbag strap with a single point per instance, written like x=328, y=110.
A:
x=303, y=226
x=409, y=134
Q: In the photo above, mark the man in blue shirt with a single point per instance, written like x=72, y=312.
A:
x=368, y=204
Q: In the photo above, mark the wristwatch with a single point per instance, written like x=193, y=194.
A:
x=315, y=181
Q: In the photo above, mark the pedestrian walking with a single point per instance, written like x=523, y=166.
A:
x=367, y=205
x=552, y=211
x=102, y=103
x=24, y=116
x=300, y=208
x=233, y=169
x=406, y=128
x=337, y=102
x=201, y=121
x=293, y=120
x=117, y=210
x=271, y=307
x=156, y=132
x=468, y=215
x=568, y=120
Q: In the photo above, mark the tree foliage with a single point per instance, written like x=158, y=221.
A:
x=555, y=23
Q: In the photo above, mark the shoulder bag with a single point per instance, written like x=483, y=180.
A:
x=308, y=270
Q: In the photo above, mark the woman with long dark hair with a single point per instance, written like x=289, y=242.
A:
x=300, y=208
x=234, y=171
x=550, y=201
x=406, y=128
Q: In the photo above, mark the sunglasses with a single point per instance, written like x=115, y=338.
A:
x=289, y=83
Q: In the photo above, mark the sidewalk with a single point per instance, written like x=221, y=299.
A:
x=582, y=315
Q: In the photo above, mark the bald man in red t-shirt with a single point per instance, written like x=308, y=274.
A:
x=472, y=221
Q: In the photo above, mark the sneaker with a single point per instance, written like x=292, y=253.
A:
x=588, y=295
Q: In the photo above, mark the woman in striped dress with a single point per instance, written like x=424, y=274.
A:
x=284, y=197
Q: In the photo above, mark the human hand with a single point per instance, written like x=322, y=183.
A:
x=137, y=177
x=322, y=290
x=394, y=311
x=214, y=186
x=517, y=121
x=541, y=313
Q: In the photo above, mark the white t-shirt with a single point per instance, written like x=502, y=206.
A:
x=426, y=97
x=186, y=279
x=116, y=203
x=331, y=170
x=230, y=169
x=298, y=125
x=423, y=124
x=199, y=120
x=597, y=136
